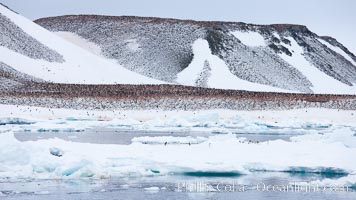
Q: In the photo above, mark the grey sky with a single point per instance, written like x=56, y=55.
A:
x=324, y=17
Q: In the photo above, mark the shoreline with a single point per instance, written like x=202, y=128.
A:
x=312, y=115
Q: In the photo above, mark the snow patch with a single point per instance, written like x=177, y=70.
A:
x=79, y=41
x=252, y=39
x=337, y=50
x=133, y=45
x=275, y=34
x=322, y=83
x=220, y=75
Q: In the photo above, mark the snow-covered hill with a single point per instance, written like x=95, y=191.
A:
x=227, y=55
x=28, y=48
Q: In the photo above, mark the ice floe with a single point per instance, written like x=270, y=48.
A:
x=321, y=141
x=219, y=154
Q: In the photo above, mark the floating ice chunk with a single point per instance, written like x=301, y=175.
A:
x=56, y=151
x=316, y=126
x=326, y=171
x=213, y=173
x=169, y=140
x=348, y=181
x=78, y=169
x=345, y=136
x=17, y=121
x=126, y=122
x=199, y=120
x=264, y=125
x=152, y=189
x=54, y=130
x=220, y=131
x=125, y=186
x=42, y=192
x=80, y=118
x=206, y=120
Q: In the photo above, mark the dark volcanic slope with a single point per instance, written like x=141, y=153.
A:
x=11, y=79
x=161, y=48
x=14, y=38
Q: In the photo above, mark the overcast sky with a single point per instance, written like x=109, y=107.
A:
x=335, y=18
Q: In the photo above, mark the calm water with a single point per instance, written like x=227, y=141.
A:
x=119, y=136
x=167, y=187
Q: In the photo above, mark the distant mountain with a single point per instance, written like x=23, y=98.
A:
x=30, y=53
x=87, y=49
x=228, y=55
x=108, y=63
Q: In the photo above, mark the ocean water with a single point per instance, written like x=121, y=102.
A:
x=255, y=186
x=124, y=137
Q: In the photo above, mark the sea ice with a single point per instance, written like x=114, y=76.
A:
x=217, y=154
x=56, y=152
